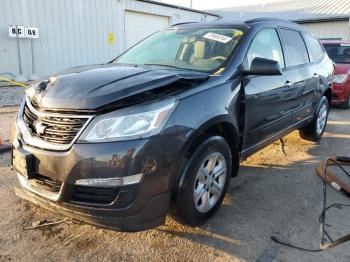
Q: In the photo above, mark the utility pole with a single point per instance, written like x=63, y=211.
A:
x=191, y=3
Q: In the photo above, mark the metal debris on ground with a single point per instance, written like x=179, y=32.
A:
x=45, y=223
x=283, y=145
x=326, y=241
x=329, y=177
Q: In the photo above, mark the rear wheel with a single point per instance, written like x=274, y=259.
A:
x=314, y=130
x=205, y=183
x=346, y=105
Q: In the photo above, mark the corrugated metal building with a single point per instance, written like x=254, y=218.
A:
x=325, y=18
x=76, y=32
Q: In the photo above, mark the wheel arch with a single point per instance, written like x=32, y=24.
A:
x=220, y=126
x=328, y=93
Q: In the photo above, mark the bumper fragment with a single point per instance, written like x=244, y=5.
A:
x=152, y=215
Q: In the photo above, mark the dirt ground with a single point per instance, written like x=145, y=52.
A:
x=273, y=194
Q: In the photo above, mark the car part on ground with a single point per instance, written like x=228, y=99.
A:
x=40, y=224
x=331, y=178
x=322, y=170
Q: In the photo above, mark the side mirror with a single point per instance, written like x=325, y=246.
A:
x=263, y=66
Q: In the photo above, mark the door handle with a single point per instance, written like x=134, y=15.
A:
x=288, y=83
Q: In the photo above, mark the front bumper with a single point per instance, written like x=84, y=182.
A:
x=128, y=208
x=152, y=215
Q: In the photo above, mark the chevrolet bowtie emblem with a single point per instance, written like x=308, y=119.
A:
x=39, y=127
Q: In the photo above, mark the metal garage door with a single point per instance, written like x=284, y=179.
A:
x=140, y=25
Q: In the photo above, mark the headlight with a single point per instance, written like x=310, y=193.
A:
x=130, y=123
x=339, y=79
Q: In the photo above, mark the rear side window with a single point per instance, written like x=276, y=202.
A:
x=266, y=44
x=296, y=53
x=314, y=47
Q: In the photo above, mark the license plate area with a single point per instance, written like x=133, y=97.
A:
x=23, y=162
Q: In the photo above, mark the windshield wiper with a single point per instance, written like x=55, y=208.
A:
x=151, y=64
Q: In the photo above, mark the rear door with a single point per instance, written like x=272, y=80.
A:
x=267, y=98
x=316, y=54
x=299, y=73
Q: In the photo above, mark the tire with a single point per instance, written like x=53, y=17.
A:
x=200, y=181
x=314, y=130
x=346, y=105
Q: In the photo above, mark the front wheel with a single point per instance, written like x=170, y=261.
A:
x=314, y=131
x=205, y=183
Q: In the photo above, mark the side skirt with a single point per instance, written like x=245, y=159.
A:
x=253, y=149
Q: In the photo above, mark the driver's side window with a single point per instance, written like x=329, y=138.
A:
x=266, y=44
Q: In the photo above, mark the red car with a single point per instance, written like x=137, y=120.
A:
x=339, y=52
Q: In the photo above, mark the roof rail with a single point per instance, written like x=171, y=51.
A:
x=184, y=23
x=262, y=19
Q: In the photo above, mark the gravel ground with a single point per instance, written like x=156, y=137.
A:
x=11, y=95
x=273, y=194
x=7, y=116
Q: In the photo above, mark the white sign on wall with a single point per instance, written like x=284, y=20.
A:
x=23, y=31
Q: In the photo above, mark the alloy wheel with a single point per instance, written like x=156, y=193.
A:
x=210, y=182
x=322, y=119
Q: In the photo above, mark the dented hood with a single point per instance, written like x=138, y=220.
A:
x=92, y=87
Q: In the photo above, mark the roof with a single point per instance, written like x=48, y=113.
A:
x=216, y=23
x=181, y=7
x=294, y=10
x=244, y=25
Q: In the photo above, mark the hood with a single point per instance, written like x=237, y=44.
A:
x=342, y=69
x=93, y=87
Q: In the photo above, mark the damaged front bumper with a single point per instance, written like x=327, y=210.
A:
x=65, y=181
x=152, y=215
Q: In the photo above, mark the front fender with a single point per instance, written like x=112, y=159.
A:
x=199, y=114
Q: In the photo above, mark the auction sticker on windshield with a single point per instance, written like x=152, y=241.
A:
x=217, y=37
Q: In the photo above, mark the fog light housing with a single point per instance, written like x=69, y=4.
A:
x=110, y=182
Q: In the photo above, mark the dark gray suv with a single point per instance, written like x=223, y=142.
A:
x=168, y=121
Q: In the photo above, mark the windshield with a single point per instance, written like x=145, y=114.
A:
x=202, y=49
x=339, y=53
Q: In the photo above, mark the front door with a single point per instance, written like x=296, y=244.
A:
x=268, y=99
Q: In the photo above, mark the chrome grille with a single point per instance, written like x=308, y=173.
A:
x=58, y=129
